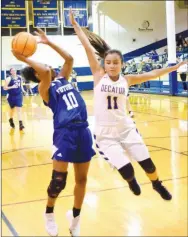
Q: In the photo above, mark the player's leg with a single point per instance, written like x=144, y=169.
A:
x=81, y=171
x=11, y=115
x=57, y=184
x=19, y=114
x=81, y=161
x=137, y=149
x=11, y=111
x=112, y=151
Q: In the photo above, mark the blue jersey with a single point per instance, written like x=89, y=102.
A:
x=15, y=91
x=67, y=105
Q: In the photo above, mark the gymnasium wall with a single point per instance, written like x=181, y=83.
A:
x=46, y=55
x=120, y=29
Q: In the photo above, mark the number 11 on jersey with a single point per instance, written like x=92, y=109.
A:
x=110, y=101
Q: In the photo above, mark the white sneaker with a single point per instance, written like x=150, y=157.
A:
x=74, y=224
x=50, y=225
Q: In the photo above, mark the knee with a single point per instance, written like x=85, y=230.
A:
x=127, y=172
x=57, y=183
x=148, y=165
x=81, y=181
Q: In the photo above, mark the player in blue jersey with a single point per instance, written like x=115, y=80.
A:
x=72, y=138
x=14, y=87
x=74, y=80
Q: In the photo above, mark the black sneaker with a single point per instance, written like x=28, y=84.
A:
x=158, y=187
x=21, y=126
x=11, y=123
x=134, y=187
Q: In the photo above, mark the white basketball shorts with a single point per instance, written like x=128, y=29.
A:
x=119, y=149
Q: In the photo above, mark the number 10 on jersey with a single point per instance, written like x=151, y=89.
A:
x=70, y=101
x=112, y=101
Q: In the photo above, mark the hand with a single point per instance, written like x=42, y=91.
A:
x=5, y=88
x=19, y=56
x=43, y=39
x=14, y=87
x=179, y=65
x=71, y=17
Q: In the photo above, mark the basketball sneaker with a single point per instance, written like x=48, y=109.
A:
x=21, y=126
x=11, y=123
x=50, y=224
x=158, y=187
x=74, y=224
x=134, y=187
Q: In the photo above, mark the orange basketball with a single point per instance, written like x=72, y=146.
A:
x=24, y=43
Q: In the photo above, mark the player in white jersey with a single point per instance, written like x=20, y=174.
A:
x=116, y=135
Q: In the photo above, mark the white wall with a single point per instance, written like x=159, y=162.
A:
x=118, y=24
x=123, y=18
x=45, y=54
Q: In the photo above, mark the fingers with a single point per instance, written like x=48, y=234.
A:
x=40, y=31
x=36, y=33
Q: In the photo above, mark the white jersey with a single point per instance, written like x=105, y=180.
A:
x=110, y=105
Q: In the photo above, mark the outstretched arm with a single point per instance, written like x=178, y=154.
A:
x=67, y=66
x=94, y=64
x=138, y=79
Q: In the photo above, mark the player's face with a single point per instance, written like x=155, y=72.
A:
x=13, y=72
x=113, y=65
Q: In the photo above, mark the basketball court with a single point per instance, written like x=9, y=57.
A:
x=110, y=209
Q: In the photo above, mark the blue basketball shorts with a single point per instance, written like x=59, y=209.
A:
x=15, y=101
x=73, y=145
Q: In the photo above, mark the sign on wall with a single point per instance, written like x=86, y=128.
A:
x=13, y=14
x=45, y=14
x=79, y=8
x=145, y=26
x=80, y=16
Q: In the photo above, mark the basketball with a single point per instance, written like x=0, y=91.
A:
x=24, y=43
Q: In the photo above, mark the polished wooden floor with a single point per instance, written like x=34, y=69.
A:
x=110, y=209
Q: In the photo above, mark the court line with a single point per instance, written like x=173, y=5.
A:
x=49, y=163
x=141, y=112
x=165, y=137
x=9, y=225
x=24, y=148
x=163, y=148
x=164, y=120
x=97, y=191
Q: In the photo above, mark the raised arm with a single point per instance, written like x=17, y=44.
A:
x=43, y=75
x=94, y=64
x=67, y=66
x=138, y=79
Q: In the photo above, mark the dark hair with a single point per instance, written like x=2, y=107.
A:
x=97, y=42
x=101, y=47
x=28, y=74
x=112, y=51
